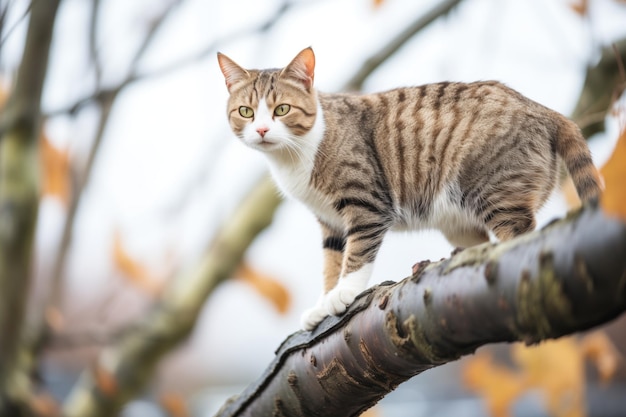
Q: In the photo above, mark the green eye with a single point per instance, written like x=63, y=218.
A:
x=246, y=112
x=282, y=110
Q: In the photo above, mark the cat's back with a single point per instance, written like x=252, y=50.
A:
x=421, y=142
x=437, y=104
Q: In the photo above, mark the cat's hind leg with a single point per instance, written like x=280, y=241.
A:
x=507, y=222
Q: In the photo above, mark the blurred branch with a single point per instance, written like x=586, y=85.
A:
x=106, y=100
x=208, y=50
x=73, y=340
x=3, y=15
x=56, y=281
x=566, y=278
x=19, y=195
x=93, y=40
x=153, y=27
x=131, y=362
x=378, y=58
x=604, y=83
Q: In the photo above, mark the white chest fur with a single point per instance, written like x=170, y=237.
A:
x=292, y=168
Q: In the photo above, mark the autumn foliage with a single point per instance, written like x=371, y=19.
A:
x=555, y=368
x=614, y=172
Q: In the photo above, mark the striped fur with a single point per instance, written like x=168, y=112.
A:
x=464, y=158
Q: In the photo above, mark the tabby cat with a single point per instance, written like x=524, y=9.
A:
x=468, y=159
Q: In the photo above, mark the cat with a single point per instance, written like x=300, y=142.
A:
x=469, y=159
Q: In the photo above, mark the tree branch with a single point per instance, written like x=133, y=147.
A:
x=566, y=278
x=376, y=59
x=131, y=362
x=19, y=193
x=604, y=83
x=106, y=100
x=209, y=49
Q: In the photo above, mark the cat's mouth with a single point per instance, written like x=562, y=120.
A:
x=265, y=145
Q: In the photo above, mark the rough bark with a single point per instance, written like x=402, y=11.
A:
x=566, y=278
x=19, y=194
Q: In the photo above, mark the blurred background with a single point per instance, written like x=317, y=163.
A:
x=141, y=172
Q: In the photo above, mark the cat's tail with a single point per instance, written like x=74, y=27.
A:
x=572, y=147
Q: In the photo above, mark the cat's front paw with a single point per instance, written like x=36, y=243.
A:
x=313, y=316
x=338, y=299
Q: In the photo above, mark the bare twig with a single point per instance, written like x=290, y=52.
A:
x=3, y=14
x=374, y=61
x=93, y=40
x=56, y=281
x=154, y=26
x=193, y=58
x=105, y=99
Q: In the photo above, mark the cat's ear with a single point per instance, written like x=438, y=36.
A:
x=302, y=68
x=233, y=73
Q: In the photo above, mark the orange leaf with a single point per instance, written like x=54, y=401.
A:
x=267, y=286
x=55, y=165
x=570, y=194
x=498, y=385
x=136, y=273
x=105, y=381
x=4, y=94
x=372, y=412
x=378, y=3
x=174, y=405
x=581, y=7
x=599, y=349
x=555, y=367
x=54, y=318
x=44, y=405
x=614, y=172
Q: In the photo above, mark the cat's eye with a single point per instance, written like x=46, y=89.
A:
x=246, y=112
x=282, y=110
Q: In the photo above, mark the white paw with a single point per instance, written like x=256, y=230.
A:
x=339, y=298
x=313, y=316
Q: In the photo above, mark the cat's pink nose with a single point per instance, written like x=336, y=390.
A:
x=263, y=130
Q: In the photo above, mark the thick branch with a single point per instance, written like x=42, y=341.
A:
x=565, y=278
x=19, y=193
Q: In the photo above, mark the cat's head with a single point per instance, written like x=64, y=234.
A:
x=273, y=109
